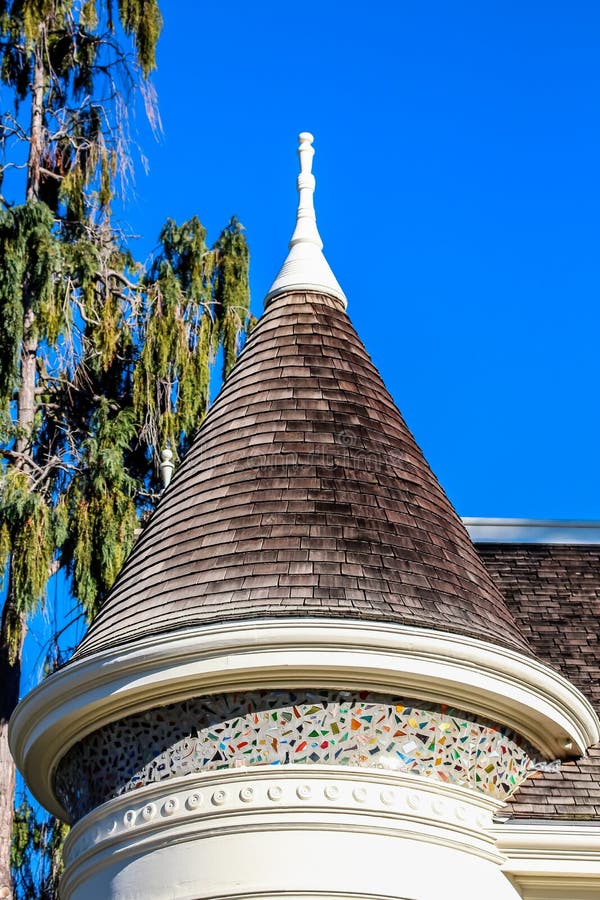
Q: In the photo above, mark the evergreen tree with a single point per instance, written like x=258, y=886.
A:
x=102, y=364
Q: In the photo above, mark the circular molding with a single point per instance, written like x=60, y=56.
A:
x=194, y=801
x=400, y=802
x=149, y=812
x=438, y=807
x=170, y=806
x=486, y=679
x=388, y=797
x=483, y=820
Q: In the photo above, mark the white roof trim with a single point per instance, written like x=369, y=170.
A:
x=305, y=268
x=532, y=531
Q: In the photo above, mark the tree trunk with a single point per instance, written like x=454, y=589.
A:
x=26, y=399
x=7, y=791
x=29, y=348
x=37, y=122
x=11, y=646
x=10, y=675
x=11, y=631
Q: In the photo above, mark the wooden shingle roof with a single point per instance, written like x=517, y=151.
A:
x=304, y=493
x=573, y=792
x=553, y=592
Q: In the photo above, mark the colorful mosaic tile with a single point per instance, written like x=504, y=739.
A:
x=285, y=727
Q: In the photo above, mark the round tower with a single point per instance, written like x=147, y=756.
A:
x=304, y=683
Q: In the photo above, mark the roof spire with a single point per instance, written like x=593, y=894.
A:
x=305, y=268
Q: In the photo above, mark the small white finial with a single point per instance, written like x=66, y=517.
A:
x=306, y=151
x=305, y=268
x=166, y=466
x=306, y=220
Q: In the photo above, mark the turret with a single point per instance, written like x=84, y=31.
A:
x=304, y=682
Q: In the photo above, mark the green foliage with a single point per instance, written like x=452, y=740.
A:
x=36, y=858
x=89, y=14
x=96, y=268
x=32, y=546
x=174, y=362
x=101, y=507
x=29, y=263
x=27, y=535
x=142, y=19
x=197, y=302
x=69, y=50
x=231, y=290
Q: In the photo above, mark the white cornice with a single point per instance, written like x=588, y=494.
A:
x=532, y=531
x=566, y=839
x=551, y=860
x=489, y=680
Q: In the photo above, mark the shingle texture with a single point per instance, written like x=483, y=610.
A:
x=304, y=493
x=572, y=793
x=553, y=591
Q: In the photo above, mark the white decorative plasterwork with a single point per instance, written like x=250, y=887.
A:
x=315, y=799
x=305, y=268
x=492, y=681
x=551, y=860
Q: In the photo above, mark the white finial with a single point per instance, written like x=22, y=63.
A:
x=166, y=466
x=305, y=268
x=306, y=220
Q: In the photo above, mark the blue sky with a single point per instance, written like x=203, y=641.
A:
x=457, y=160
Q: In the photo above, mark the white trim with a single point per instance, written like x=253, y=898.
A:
x=555, y=860
x=492, y=681
x=544, y=887
x=532, y=531
x=300, y=895
x=288, y=800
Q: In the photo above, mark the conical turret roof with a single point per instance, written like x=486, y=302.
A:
x=304, y=492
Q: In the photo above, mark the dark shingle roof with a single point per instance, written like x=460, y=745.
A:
x=571, y=793
x=553, y=592
x=304, y=493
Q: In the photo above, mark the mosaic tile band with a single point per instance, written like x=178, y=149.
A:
x=336, y=728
